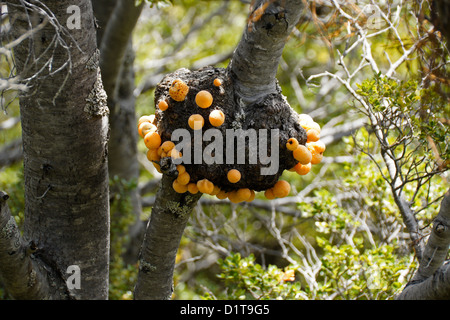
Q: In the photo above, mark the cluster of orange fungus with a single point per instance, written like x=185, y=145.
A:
x=179, y=90
x=208, y=103
x=156, y=148
x=312, y=152
x=204, y=99
x=182, y=185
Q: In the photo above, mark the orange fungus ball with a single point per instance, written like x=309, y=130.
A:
x=183, y=178
x=222, y=195
x=196, y=122
x=312, y=135
x=302, y=169
x=205, y=186
x=302, y=154
x=178, y=187
x=181, y=169
x=316, y=158
x=217, y=82
x=233, y=176
x=244, y=194
x=167, y=146
x=216, y=118
x=292, y=144
x=204, y=99
x=145, y=127
x=149, y=118
x=269, y=194
x=162, y=105
x=192, y=188
x=252, y=196
x=152, y=140
x=316, y=146
x=234, y=197
x=179, y=90
x=281, y=189
x=152, y=155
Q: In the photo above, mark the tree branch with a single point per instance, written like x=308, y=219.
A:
x=438, y=243
x=11, y=153
x=436, y=287
x=165, y=228
x=432, y=279
x=255, y=61
x=114, y=43
x=102, y=12
x=22, y=278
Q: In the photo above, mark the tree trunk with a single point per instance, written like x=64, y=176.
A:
x=23, y=276
x=117, y=20
x=65, y=128
x=253, y=73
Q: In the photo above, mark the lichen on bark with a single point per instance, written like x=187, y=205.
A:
x=97, y=101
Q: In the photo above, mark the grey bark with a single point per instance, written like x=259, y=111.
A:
x=115, y=41
x=436, y=287
x=117, y=20
x=102, y=12
x=165, y=228
x=64, y=130
x=256, y=58
x=432, y=279
x=436, y=250
x=23, y=277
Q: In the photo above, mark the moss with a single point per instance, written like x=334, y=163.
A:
x=178, y=209
x=146, y=266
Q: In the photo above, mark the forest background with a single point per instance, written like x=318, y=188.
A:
x=373, y=75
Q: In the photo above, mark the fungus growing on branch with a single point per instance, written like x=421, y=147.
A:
x=239, y=150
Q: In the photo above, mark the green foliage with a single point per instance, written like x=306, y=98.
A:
x=246, y=279
x=158, y=3
x=347, y=272
x=353, y=272
x=412, y=114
